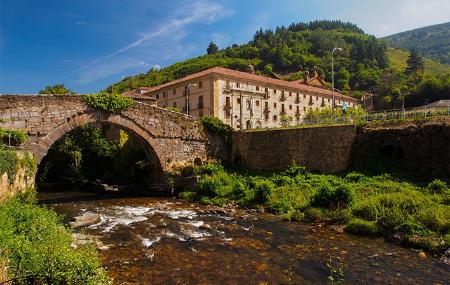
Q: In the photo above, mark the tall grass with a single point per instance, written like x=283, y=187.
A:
x=378, y=205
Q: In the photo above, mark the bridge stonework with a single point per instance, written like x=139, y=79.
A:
x=173, y=138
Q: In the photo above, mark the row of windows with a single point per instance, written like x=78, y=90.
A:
x=174, y=91
x=199, y=105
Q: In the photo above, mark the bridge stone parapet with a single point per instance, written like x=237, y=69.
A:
x=173, y=138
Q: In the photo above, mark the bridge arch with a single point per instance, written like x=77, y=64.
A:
x=172, y=138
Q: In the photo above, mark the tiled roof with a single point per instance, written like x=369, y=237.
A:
x=294, y=85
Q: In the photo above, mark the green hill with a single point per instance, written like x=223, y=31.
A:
x=397, y=60
x=288, y=51
x=432, y=41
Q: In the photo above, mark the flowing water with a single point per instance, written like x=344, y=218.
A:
x=169, y=241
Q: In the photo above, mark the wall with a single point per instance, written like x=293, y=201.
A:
x=325, y=149
x=20, y=182
x=419, y=147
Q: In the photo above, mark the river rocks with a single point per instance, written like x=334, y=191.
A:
x=83, y=239
x=85, y=220
x=422, y=254
x=445, y=258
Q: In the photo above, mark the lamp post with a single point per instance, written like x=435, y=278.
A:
x=332, y=81
x=187, y=95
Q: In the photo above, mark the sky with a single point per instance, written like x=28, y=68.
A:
x=90, y=44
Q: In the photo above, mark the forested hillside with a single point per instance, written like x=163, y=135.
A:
x=289, y=51
x=364, y=65
x=432, y=41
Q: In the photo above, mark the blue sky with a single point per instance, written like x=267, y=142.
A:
x=89, y=44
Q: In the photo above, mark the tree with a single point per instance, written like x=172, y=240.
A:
x=414, y=64
x=212, y=48
x=57, y=89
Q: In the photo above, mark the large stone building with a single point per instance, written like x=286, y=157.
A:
x=242, y=99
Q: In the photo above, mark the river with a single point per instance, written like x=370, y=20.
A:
x=170, y=241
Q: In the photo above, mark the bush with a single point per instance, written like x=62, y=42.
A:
x=263, y=189
x=186, y=195
x=333, y=198
x=38, y=248
x=215, y=125
x=112, y=103
x=286, y=199
x=362, y=227
x=315, y=215
x=8, y=163
x=15, y=137
x=437, y=187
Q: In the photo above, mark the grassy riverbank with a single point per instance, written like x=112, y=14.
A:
x=417, y=215
x=36, y=247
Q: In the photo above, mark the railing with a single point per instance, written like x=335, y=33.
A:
x=394, y=114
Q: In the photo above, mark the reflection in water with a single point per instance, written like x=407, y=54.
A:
x=168, y=241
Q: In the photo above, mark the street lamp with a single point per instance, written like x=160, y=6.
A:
x=187, y=95
x=332, y=80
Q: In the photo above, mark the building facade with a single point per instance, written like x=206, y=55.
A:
x=242, y=100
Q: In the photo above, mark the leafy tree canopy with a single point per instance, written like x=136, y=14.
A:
x=212, y=48
x=57, y=89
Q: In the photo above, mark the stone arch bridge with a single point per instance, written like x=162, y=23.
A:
x=171, y=138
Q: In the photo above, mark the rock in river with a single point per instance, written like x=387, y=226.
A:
x=85, y=220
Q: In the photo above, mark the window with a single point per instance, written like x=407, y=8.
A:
x=290, y=93
x=239, y=100
x=266, y=89
x=248, y=104
x=200, y=102
x=290, y=107
x=257, y=103
x=238, y=85
x=174, y=104
x=317, y=98
x=282, y=108
x=274, y=105
x=304, y=109
x=228, y=107
x=174, y=91
x=227, y=102
x=282, y=93
x=304, y=96
x=274, y=91
x=200, y=84
x=298, y=110
x=257, y=88
x=328, y=100
x=274, y=117
x=267, y=105
x=157, y=96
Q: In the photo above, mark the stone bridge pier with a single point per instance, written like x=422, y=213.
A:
x=170, y=138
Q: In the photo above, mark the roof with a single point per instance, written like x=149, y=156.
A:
x=294, y=85
x=440, y=103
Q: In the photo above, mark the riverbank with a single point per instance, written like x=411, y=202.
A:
x=416, y=215
x=36, y=248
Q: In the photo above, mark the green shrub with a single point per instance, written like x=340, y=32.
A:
x=437, y=187
x=333, y=198
x=354, y=176
x=8, y=163
x=362, y=227
x=186, y=195
x=263, y=189
x=286, y=199
x=112, y=103
x=38, y=248
x=341, y=216
x=220, y=184
x=15, y=137
x=315, y=215
x=434, y=218
x=215, y=125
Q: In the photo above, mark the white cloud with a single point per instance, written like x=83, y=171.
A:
x=171, y=29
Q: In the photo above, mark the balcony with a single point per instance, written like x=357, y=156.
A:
x=283, y=98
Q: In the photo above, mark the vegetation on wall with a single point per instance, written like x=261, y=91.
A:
x=37, y=247
x=216, y=126
x=112, y=103
x=379, y=205
x=13, y=137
